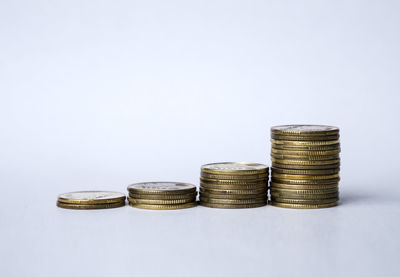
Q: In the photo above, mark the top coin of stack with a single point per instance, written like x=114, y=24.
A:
x=91, y=200
x=305, y=166
x=233, y=185
x=162, y=195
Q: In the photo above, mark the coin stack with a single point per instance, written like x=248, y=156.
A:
x=85, y=200
x=162, y=195
x=233, y=185
x=305, y=166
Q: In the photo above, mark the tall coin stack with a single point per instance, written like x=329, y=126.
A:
x=162, y=195
x=305, y=166
x=233, y=185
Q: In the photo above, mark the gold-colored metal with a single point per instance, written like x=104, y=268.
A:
x=305, y=158
x=161, y=188
x=233, y=182
x=91, y=197
x=304, y=153
x=304, y=206
x=303, y=177
x=229, y=187
x=304, y=191
x=234, y=168
x=160, y=202
x=304, y=201
x=305, y=182
x=304, y=186
x=233, y=201
x=164, y=207
x=160, y=196
x=90, y=206
x=305, y=130
x=291, y=147
x=234, y=191
x=304, y=143
x=308, y=167
x=276, y=194
x=302, y=162
x=253, y=177
x=206, y=195
x=305, y=138
x=232, y=206
x=305, y=171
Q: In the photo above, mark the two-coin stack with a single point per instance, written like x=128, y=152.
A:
x=87, y=200
x=233, y=185
x=305, y=166
x=162, y=195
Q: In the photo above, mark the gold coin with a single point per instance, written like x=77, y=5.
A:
x=276, y=194
x=305, y=171
x=163, y=196
x=306, y=182
x=233, y=187
x=303, y=167
x=304, y=206
x=232, y=206
x=90, y=206
x=304, y=177
x=305, y=158
x=234, y=191
x=162, y=188
x=234, y=177
x=291, y=147
x=303, y=186
x=160, y=202
x=164, y=207
x=302, y=192
x=304, y=143
x=304, y=201
x=91, y=197
x=302, y=162
x=205, y=195
x=233, y=182
x=304, y=153
x=234, y=168
x=233, y=201
x=304, y=130
x=305, y=138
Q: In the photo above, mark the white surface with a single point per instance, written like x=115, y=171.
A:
x=98, y=95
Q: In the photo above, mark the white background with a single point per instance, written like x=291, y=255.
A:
x=101, y=94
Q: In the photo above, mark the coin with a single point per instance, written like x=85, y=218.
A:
x=311, y=130
x=160, y=196
x=304, y=177
x=233, y=182
x=90, y=206
x=308, y=167
x=234, y=191
x=304, y=143
x=161, y=188
x=304, y=153
x=234, y=168
x=306, y=182
x=281, y=195
x=302, y=162
x=305, y=158
x=164, y=207
x=304, y=186
x=292, y=147
x=233, y=201
x=206, y=195
x=304, y=191
x=305, y=138
x=241, y=187
x=304, y=206
x=159, y=202
x=304, y=201
x=91, y=197
x=254, y=177
x=232, y=206
x=305, y=171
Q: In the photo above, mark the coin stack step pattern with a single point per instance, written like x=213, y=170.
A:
x=162, y=195
x=305, y=166
x=88, y=200
x=233, y=185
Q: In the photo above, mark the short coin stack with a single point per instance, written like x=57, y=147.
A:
x=87, y=200
x=305, y=166
x=233, y=185
x=162, y=195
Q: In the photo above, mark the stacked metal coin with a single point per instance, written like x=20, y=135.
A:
x=91, y=200
x=162, y=195
x=233, y=185
x=305, y=166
